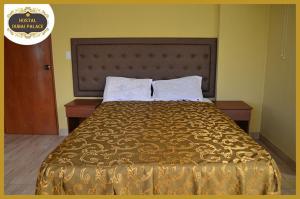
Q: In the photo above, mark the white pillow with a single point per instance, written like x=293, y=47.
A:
x=127, y=89
x=185, y=88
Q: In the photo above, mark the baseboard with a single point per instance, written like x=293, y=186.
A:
x=254, y=135
x=63, y=132
x=290, y=162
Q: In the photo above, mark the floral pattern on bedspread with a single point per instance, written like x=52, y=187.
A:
x=158, y=148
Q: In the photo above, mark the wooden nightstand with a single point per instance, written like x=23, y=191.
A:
x=239, y=111
x=78, y=110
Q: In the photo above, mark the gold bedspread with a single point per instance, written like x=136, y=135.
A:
x=158, y=148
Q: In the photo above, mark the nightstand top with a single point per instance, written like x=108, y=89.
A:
x=232, y=105
x=84, y=102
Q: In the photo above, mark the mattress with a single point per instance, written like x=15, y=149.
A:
x=158, y=148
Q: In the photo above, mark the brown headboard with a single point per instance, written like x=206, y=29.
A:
x=158, y=58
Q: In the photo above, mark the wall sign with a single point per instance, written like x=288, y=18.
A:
x=28, y=24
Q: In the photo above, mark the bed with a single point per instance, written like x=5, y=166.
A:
x=154, y=147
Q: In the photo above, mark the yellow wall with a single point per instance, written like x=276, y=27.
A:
x=242, y=32
x=242, y=56
x=121, y=21
x=278, y=118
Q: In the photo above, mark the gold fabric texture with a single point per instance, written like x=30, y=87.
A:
x=158, y=148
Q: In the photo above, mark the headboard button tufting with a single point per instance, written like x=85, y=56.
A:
x=93, y=59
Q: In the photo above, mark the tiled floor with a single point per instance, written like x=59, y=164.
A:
x=25, y=153
x=288, y=174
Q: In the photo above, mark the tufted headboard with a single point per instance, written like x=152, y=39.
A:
x=159, y=58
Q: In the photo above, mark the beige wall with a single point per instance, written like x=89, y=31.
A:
x=278, y=118
x=241, y=29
